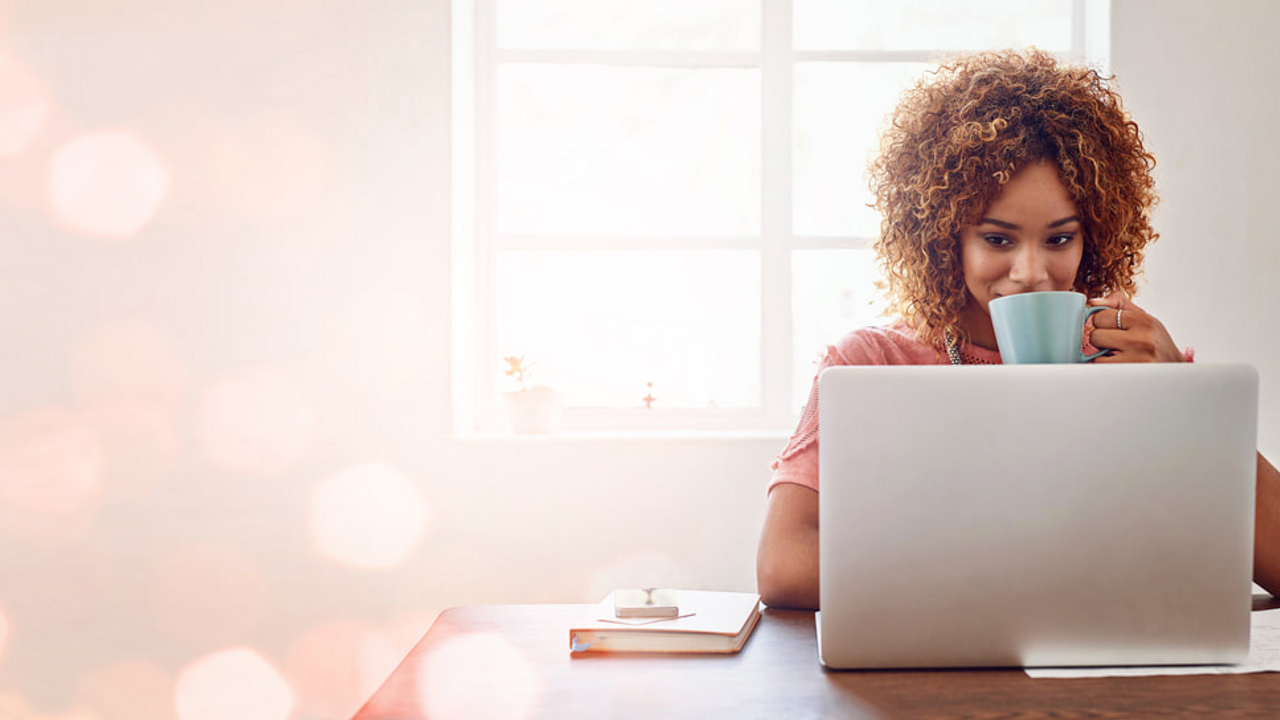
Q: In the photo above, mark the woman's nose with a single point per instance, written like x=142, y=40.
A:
x=1030, y=267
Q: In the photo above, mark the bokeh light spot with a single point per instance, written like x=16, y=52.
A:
x=367, y=516
x=107, y=184
x=478, y=676
x=25, y=107
x=140, y=443
x=336, y=666
x=256, y=421
x=50, y=460
x=237, y=683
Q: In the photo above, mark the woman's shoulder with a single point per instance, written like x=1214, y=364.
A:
x=893, y=344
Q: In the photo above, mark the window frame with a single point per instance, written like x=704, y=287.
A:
x=476, y=243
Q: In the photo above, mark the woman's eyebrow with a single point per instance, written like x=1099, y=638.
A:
x=1013, y=226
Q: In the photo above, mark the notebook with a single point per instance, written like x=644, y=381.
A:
x=1036, y=515
x=708, y=622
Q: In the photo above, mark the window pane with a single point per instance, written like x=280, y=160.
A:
x=629, y=24
x=628, y=150
x=932, y=24
x=838, y=112
x=833, y=292
x=602, y=325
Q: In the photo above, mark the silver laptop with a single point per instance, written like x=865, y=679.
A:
x=1036, y=515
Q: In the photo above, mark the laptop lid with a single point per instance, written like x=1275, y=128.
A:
x=1036, y=515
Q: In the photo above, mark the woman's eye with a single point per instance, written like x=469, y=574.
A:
x=1061, y=240
x=997, y=240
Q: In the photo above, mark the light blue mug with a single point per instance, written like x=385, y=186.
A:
x=1042, y=327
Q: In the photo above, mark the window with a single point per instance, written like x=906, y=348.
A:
x=666, y=199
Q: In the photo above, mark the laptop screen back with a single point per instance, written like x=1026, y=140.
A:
x=1036, y=515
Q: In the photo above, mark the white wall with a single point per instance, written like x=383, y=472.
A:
x=304, y=235
x=1199, y=78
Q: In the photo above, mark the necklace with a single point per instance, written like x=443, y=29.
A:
x=953, y=352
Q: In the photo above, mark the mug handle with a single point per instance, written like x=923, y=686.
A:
x=1088, y=313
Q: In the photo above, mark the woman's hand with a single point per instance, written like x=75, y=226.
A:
x=1130, y=333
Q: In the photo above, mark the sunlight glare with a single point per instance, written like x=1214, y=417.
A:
x=367, y=516
x=235, y=683
x=255, y=421
x=50, y=460
x=673, y=318
x=627, y=150
x=25, y=107
x=629, y=25
x=107, y=184
x=478, y=675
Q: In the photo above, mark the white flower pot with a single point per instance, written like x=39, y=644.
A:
x=533, y=410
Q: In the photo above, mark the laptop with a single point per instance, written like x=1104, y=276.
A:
x=1036, y=515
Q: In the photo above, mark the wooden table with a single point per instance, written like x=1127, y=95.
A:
x=513, y=661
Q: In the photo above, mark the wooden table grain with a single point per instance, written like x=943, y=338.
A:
x=513, y=661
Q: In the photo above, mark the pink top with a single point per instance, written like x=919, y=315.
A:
x=892, y=345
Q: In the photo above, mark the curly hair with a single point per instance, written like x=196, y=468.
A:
x=961, y=133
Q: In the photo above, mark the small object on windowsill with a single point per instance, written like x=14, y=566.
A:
x=532, y=408
x=649, y=399
x=645, y=603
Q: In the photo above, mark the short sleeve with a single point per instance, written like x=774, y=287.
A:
x=799, y=468
x=806, y=433
x=888, y=345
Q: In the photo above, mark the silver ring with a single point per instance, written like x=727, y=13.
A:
x=1118, y=314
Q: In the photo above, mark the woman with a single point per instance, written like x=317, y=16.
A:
x=1000, y=173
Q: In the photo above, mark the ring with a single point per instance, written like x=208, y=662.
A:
x=1118, y=314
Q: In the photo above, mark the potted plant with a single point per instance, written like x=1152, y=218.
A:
x=532, y=408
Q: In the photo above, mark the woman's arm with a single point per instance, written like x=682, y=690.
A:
x=1266, y=528
x=787, y=559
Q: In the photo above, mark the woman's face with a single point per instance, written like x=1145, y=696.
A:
x=1030, y=239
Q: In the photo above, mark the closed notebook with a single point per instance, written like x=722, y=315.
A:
x=709, y=622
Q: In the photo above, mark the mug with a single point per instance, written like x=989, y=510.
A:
x=1042, y=327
